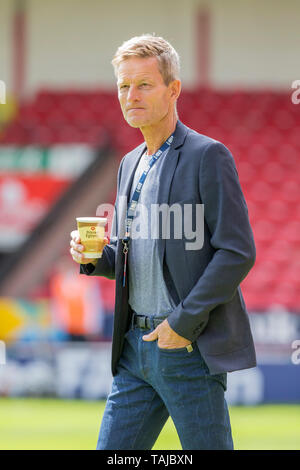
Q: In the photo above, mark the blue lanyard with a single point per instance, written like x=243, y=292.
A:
x=135, y=197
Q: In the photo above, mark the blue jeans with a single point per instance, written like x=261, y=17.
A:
x=152, y=384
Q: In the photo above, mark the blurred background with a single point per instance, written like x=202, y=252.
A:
x=62, y=136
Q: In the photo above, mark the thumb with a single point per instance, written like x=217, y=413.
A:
x=151, y=336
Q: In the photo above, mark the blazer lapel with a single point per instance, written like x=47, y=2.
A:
x=130, y=168
x=166, y=177
x=128, y=171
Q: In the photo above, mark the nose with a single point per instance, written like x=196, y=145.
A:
x=133, y=94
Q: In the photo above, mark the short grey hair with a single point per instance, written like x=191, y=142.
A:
x=149, y=45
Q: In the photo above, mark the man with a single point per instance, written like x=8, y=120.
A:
x=180, y=320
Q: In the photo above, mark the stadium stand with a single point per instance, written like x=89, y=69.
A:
x=261, y=128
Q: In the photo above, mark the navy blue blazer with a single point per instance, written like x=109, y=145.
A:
x=204, y=283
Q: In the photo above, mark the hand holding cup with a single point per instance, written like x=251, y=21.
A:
x=88, y=241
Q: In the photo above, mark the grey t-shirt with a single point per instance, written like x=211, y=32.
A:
x=148, y=294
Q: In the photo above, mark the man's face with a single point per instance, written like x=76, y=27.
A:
x=144, y=97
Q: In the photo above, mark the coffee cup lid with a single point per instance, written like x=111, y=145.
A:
x=99, y=220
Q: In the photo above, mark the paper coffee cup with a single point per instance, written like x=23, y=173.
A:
x=92, y=232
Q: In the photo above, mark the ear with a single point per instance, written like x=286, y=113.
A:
x=175, y=89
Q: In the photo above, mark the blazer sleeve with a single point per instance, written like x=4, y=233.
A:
x=106, y=264
x=226, y=216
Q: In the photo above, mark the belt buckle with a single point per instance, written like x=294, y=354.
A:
x=142, y=322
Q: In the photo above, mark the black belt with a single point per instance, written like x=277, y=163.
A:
x=145, y=322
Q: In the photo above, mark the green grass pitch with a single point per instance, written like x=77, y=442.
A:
x=32, y=423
